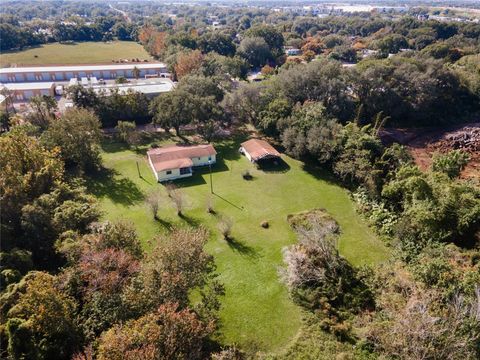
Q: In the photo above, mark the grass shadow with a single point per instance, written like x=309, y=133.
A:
x=107, y=183
x=242, y=248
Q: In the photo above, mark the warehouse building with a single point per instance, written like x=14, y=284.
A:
x=67, y=72
x=150, y=88
x=21, y=92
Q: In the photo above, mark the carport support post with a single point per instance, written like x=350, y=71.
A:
x=211, y=183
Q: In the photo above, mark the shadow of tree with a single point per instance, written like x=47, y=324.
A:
x=242, y=248
x=190, y=220
x=107, y=183
x=229, y=149
x=320, y=173
x=164, y=223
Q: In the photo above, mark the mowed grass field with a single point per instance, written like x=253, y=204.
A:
x=76, y=53
x=257, y=312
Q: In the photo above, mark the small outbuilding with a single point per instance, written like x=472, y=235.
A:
x=257, y=149
x=176, y=161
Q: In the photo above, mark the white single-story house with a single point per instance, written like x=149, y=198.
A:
x=257, y=149
x=176, y=161
x=293, y=52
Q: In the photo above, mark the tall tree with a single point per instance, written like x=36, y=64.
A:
x=28, y=171
x=41, y=324
x=77, y=134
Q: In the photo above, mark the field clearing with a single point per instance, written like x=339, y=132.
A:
x=257, y=312
x=76, y=53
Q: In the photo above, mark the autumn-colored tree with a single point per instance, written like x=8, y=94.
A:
x=158, y=43
x=175, y=267
x=188, y=62
x=308, y=55
x=166, y=334
x=359, y=45
x=154, y=41
x=106, y=271
x=314, y=44
x=41, y=323
x=267, y=70
x=145, y=34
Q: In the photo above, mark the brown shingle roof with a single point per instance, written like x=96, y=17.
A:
x=172, y=164
x=176, y=156
x=259, y=149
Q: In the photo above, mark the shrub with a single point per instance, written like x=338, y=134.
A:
x=246, y=175
x=225, y=226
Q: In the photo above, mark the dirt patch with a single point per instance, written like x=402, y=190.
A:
x=424, y=142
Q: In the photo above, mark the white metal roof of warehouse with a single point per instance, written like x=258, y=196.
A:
x=28, y=86
x=124, y=66
x=146, y=88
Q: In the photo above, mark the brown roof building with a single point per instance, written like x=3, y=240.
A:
x=257, y=149
x=175, y=161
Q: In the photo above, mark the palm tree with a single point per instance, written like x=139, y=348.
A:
x=136, y=72
x=8, y=100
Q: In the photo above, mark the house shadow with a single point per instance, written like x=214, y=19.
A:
x=242, y=248
x=273, y=165
x=193, y=180
x=107, y=183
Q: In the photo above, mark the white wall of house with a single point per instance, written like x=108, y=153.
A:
x=171, y=175
x=202, y=161
x=246, y=153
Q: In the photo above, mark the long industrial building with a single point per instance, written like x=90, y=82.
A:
x=65, y=72
x=21, y=92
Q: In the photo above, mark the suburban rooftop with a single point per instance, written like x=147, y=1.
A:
x=259, y=149
x=175, y=156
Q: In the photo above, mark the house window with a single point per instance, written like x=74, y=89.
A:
x=169, y=172
x=185, y=170
x=209, y=158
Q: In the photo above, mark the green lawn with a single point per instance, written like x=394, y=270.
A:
x=257, y=312
x=77, y=53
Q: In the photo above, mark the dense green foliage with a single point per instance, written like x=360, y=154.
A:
x=73, y=286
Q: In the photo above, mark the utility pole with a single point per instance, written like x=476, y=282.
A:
x=211, y=182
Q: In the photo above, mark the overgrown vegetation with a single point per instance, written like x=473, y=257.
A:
x=77, y=286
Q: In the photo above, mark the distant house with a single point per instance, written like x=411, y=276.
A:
x=256, y=150
x=293, y=52
x=173, y=162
